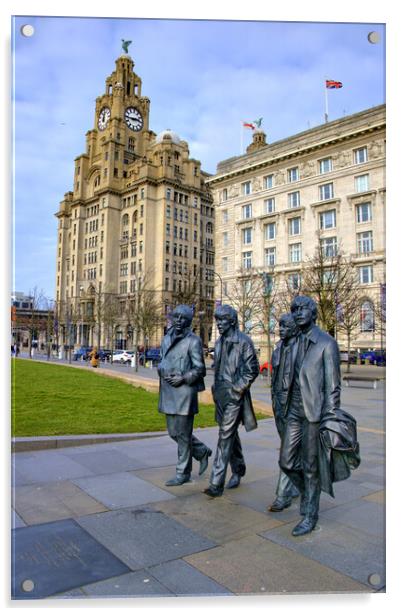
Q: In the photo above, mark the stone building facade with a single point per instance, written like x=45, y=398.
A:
x=277, y=201
x=140, y=216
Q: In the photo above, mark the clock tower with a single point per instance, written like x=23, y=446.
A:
x=140, y=214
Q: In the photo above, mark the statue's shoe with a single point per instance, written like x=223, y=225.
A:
x=304, y=527
x=204, y=461
x=281, y=503
x=178, y=480
x=234, y=481
x=213, y=491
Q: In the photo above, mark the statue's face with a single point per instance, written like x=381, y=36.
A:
x=286, y=328
x=180, y=322
x=301, y=313
x=224, y=324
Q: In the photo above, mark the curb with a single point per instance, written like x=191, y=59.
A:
x=37, y=443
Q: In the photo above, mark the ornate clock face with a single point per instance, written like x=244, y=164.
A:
x=133, y=118
x=103, y=118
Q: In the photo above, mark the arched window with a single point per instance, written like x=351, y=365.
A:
x=367, y=316
x=125, y=220
x=97, y=181
x=209, y=227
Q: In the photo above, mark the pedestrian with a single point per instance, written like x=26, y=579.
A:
x=94, y=357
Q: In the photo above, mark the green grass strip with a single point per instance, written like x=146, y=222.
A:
x=49, y=399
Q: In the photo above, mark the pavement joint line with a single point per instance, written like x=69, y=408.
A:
x=373, y=430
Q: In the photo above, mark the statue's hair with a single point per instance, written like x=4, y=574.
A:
x=287, y=316
x=307, y=301
x=187, y=311
x=227, y=311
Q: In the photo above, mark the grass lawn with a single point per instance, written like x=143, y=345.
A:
x=48, y=400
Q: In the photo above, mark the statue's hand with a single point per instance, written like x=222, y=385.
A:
x=174, y=380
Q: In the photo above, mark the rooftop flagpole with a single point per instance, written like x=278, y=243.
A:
x=326, y=103
x=242, y=137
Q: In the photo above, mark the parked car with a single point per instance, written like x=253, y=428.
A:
x=376, y=357
x=353, y=357
x=105, y=354
x=82, y=353
x=152, y=354
x=123, y=357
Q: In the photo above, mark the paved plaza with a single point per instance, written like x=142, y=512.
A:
x=98, y=521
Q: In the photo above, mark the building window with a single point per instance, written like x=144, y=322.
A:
x=367, y=316
x=360, y=155
x=168, y=229
x=168, y=194
x=328, y=219
x=326, y=191
x=325, y=165
x=224, y=194
x=294, y=281
x=269, y=205
x=294, y=226
x=224, y=264
x=293, y=199
x=270, y=255
x=247, y=235
x=362, y=183
x=225, y=216
x=295, y=252
x=246, y=188
x=268, y=181
x=270, y=231
x=366, y=274
x=293, y=174
x=365, y=242
x=329, y=246
x=364, y=212
x=123, y=269
x=225, y=238
x=247, y=260
x=247, y=211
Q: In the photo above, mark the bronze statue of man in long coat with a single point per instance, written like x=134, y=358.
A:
x=235, y=368
x=181, y=372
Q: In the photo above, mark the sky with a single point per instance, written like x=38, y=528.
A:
x=203, y=77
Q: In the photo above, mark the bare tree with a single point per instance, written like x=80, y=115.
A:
x=245, y=294
x=331, y=278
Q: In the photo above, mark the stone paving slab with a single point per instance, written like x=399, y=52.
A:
x=254, y=565
x=16, y=521
x=118, y=490
x=134, y=584
x=50, y=466
x=106, y=461
x=53, y=501
x=182, y=579
x=377, y=497
x=52, y=558
x=363, y=515
x=144, y=537
x=219, y=519
x=158, y=477
x=350, y=551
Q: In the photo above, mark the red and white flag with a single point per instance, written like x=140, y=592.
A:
x=249, y=125
x=331, y=85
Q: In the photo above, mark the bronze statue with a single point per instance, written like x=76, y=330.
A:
x=181, y=372
x=314, y=392
x=280, y=385
x=125, y=45
x=235, y=368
